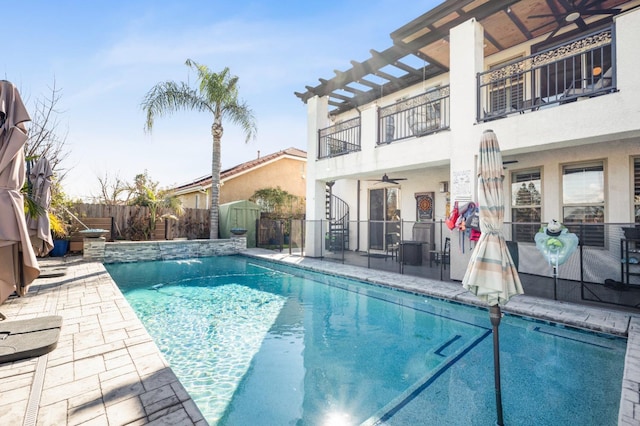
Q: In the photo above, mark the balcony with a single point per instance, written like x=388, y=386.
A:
x=581, y=68
x=414, y=117
x=339, y=139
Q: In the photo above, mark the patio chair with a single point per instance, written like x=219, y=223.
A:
x=392, y=244
x=438, y=256
x=591, y=89
x=424, y=119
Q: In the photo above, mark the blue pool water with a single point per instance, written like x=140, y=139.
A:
x=261, y=343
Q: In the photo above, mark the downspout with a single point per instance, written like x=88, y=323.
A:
x=358, y=218
x=358, y=189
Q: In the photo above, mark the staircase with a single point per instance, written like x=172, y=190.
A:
x=337, y=213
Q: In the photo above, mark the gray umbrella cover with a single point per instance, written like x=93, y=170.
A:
x=18, y=263
x=39, y=227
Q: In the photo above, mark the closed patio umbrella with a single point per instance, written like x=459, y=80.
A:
x=18, y=263
x=491, y=274
x=39, y=227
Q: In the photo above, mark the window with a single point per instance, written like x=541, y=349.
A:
x=636, y=189
x=526, y=204
x=583, y=201
x=508, y=90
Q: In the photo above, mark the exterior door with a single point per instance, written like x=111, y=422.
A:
x=384, y=215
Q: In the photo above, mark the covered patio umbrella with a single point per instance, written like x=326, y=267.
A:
x=491, y=274
x=18, y=263
x=39, y=227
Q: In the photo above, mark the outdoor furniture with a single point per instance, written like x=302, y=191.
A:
x=392, y=244
x=389, y=129
x=493, y=114
x=424, y=119
x=591, y=89
x=438, y=256
x=410, y=253
x=534, y=104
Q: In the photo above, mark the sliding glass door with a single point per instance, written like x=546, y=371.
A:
x=384, y=216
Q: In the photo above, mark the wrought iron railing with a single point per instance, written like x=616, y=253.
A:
x=583, y=67
x=339, y=139
x=414, y=117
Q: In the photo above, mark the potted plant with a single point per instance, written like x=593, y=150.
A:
x=59, y=220
x=60, y=233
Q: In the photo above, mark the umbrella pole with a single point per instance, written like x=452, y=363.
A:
x=555, y=282
x=495, y=316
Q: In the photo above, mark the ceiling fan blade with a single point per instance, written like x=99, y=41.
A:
x=581, y=24
x=556, y=22
x=601, y=12
x=554, y=32
x=568, y=7
x=546, y=15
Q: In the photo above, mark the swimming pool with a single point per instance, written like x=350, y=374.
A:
x=252, y=340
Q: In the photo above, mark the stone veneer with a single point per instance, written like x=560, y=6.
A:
x=97, y=249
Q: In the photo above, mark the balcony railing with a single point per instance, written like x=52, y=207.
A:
x=414, y=117
x=339, y=139
x=581, y=68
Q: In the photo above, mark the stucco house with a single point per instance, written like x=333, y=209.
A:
x=285, y=169
x=395, y=137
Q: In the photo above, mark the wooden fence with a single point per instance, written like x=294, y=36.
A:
x=133, y=222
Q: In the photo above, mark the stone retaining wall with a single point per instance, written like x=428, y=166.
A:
x=140, y=251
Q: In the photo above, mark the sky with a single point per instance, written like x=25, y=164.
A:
x=104, y=56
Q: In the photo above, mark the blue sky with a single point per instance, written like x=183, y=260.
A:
x=106, y=55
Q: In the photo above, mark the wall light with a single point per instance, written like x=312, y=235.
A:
x=443, y=186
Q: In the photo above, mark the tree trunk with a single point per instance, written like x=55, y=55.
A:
x=216, y=132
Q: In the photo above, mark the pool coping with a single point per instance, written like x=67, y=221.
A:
x=107, y=369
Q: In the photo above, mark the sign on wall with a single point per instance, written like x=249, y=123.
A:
x=461, y=184
x=424, y=205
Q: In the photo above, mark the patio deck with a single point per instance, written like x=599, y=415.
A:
x=106, y=369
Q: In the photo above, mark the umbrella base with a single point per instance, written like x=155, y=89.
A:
x=28, y=338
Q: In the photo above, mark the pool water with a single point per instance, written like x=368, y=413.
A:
x=261, y=343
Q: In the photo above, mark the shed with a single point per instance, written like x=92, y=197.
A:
x=239, y=214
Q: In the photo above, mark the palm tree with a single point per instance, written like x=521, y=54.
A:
x=217, y=93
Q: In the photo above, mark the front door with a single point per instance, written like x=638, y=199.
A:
x=384, y=215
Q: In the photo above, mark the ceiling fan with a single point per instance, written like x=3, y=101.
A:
x=571, y=12
x=387, y=179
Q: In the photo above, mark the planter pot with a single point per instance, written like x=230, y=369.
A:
x=60, y=248
x=238, y=231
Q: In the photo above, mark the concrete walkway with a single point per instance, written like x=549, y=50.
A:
x=106, y=369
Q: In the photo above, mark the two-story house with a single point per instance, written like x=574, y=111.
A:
x=395, y=137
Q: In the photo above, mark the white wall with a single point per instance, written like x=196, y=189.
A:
x=604, y=127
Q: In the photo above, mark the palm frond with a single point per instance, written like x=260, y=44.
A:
x=168, y=97
x=241, y=115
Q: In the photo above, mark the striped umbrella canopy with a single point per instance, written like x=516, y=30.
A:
x=491, y=274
